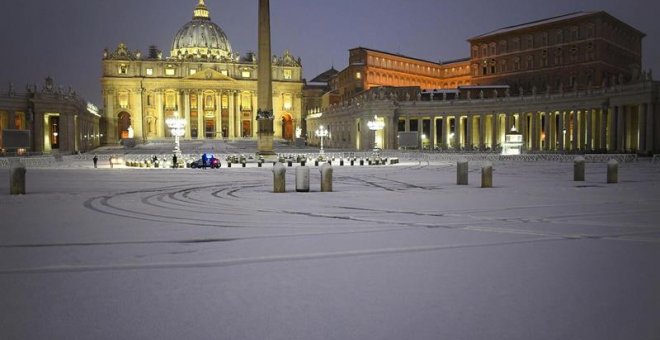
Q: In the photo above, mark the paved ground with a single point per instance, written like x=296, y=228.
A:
x=396, y=252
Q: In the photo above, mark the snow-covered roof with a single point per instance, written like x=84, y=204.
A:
x=534, y=23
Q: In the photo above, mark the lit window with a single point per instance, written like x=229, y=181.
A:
x=245, y=74
x=224, y=72
x=150, y=72
x=288, y=101
x=123, y=69
x=169, y=71
x=358, y=75
x=288, y=74
x=192, y=71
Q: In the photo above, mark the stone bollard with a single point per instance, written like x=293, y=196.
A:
x=279, y=178
x=243, y=164
x=352, y=162
x=326, y=178
x=487, y=175
x=302, y=179
x=316, y=162
x=289, y=163
x=578, y=169
x=260, y=164
x=341, y=162
x=303, y=162
x=462, y=172
x=17, y=178
x=229, y=164
x=612, y=171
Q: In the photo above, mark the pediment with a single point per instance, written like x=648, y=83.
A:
x=209, y=74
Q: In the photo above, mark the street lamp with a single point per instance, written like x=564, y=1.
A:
x=321, y=132
x=376, y=125
x=176, y=125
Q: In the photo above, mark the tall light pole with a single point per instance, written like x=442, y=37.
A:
x=321, y=132
x=177, y=128
x=376, y=125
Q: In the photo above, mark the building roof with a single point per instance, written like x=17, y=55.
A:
x=325, y=76
x=407, y=57
x=545, y=21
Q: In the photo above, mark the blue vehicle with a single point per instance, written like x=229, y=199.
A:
x=206, y=162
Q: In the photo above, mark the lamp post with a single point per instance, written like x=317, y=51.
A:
x=321, y=132
x=176, y=125
x=375, y=125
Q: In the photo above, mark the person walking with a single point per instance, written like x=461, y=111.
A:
x=110, y=160
x=95, y=160
x=174, y=162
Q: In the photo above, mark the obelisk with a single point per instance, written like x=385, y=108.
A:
x=264, y=83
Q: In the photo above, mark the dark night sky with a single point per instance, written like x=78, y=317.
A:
x=65, y=38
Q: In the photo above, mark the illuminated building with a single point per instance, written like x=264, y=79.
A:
x=203, y=80
x=47, y=120
x=591, y=97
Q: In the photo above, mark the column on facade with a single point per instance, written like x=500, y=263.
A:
x=160, y=114
x=218, y=114
x=253, y=123
x=111, y=126
x=230, y=116
x=237, y=114
x=186, y=113
x=536, y=130
x=201, y=116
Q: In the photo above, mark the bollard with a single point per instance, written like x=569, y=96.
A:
x=341, y=162
x=17, y=178
x=289, y=163
x=352, y=162
x=229, y=164
x=612, y=171
x=326, y=178
x=487, y=175
x=302, y=179
x=243, y=164
x=361, y=162
x=302, y=163
x=260, y=164
x=279, y=178
x=316, y=163
x=578, y=169
x=462, y=172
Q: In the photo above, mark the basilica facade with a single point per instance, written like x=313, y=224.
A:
x=203, y=81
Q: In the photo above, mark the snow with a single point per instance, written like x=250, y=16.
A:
x=395, y=252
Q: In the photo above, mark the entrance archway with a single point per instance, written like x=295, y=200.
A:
x=123, y=123
x=287, y=127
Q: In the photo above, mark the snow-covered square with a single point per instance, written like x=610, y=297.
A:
x=394, y=252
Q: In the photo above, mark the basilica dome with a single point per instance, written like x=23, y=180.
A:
x=201, y=38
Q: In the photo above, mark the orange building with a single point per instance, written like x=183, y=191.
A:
x=369, y=68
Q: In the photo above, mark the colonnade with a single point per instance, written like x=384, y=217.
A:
x=615, y=128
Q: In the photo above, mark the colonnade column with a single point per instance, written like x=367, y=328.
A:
x=186, y=112
x=432, y=131
x=218, y=114
x=589, y=125
x=602, y=125
x=237, y=114
x=482, y=131
x=468, y=136
x=650, y=137
x=641, y=131
x=446, y=130
x=546, y=131
x=561, y=131
x=620, y=128
x=496, y=130
x=253, y=122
